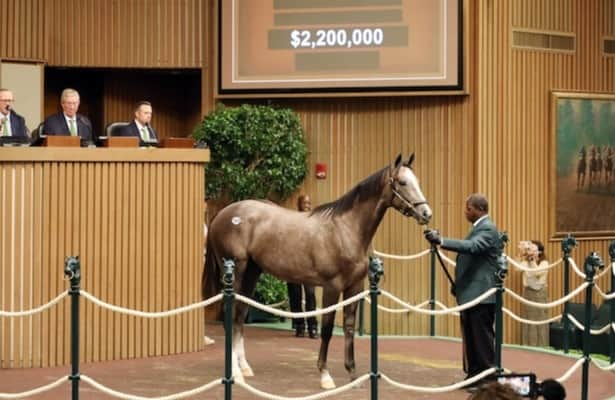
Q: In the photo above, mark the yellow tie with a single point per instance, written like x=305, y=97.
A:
x=5, y=127
x=71, y=127
x=145, y=134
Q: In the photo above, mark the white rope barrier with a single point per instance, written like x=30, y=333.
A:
x=36, y=391
x=315, y=396
x=591, y=331
x=397, y=310
x=551, y=304
x=445, y=258
x=602, y=273
x=304, y=314
x=440, y=312
x=34, y=310
x=575, y=268
x=443, y=306
x=571, y=370
x=278, y=304
x=441, y=389
x=144, y=314
x=522, y=267
x=403, y=258
x=528, y=321
x=605, y=296
x=607, y=368
x=121, y=395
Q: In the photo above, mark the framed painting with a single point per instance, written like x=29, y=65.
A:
x=583, y=127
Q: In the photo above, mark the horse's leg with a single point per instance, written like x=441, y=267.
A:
x=248, y=285
x=329, y=297
x=349, y=326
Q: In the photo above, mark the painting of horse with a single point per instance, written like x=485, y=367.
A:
x=326, y=247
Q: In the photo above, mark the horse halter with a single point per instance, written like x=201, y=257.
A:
x=411, y=205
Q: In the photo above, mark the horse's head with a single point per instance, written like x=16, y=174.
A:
x=407, y=197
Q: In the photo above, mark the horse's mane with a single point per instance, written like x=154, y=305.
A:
x=370, y=185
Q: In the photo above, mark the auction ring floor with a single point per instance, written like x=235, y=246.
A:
x=285, y=365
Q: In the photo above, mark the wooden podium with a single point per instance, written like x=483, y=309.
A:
x=134, y=218
x=122, y=141
x=62, y=141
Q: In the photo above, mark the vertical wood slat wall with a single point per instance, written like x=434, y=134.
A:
x=496, y=140
x=502, y=146
x=104, y=33
x=137, y=228
x=516, y=161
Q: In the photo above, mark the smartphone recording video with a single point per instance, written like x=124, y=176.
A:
x=523, y=384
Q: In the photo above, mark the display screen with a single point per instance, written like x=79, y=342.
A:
x=271, y=46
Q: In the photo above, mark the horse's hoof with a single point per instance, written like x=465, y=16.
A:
x=327, y=383
x=238, y=378
x=247, y=371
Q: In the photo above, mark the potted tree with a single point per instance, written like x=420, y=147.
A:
x=257, y=152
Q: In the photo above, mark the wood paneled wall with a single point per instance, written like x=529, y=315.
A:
x=496, y=140
x=135, y=221
x=22, y=29
x=104, y=33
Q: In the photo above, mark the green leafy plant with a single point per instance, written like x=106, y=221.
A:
x=257, y=152
x=270, y=290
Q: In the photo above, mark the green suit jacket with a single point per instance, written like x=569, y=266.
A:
x=477, y=257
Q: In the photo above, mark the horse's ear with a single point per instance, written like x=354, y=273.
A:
x=410, y=160
x=397, y=161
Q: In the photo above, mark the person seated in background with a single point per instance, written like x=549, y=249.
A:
x=140, y=126
x=11, y=123
x=68, y=122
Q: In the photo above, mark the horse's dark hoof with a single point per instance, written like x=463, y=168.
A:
x=300, y=333
x=313, y=334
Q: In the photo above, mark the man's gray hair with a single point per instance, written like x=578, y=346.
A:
x=69, y=92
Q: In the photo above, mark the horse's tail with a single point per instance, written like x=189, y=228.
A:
x=210, y=281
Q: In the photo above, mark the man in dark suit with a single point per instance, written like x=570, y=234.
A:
x=68, y=122
x=295, y=291
x=140, y=126
x=11, y=123
x=475, y=273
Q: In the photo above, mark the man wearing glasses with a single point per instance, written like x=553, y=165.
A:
x=11, y=123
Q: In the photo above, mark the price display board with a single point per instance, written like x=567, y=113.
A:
x=299, y=46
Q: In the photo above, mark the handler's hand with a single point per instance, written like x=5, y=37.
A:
x=433, y=236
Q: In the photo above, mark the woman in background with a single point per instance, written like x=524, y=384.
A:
x=534, y=289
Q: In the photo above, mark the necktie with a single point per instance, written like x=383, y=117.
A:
x=72, y=128
x=145, y=134
x=5, y=128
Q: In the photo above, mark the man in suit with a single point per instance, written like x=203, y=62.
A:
x=68, y=122
x=475, y=273
x=11, y=123
x=295, y=290
x=140, y=126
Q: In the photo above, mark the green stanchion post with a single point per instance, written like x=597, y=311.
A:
x=500, y=276
x=432, y=291
x=568, y=243
x=612, y=303
x=72, y=269
x=229, y=299
x=592, y=262
x=376, y=270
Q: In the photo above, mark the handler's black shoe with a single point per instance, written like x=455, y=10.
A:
x=300, y=333
x=313, y=334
